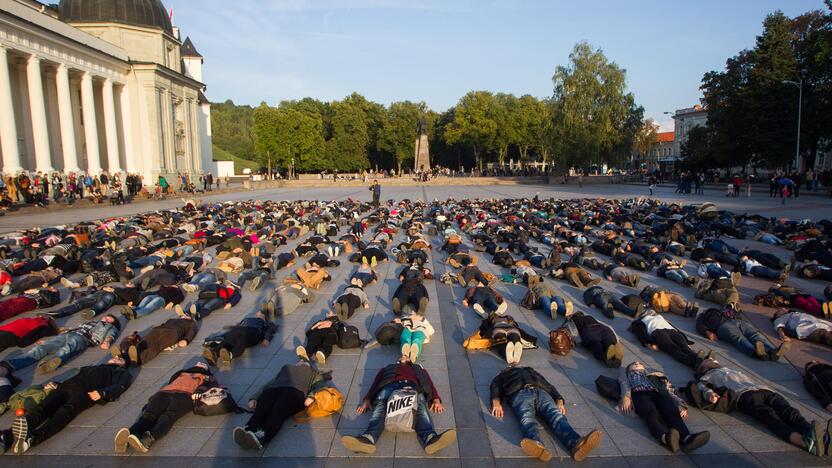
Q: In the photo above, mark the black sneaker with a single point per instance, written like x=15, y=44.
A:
x=694, y=441
x=440, y=441
x=360, y=444
x=6, y=441
x=609, y=311
x=141, y=444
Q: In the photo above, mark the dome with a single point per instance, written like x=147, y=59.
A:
x=145, y=13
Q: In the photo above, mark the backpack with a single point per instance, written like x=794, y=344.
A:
x=328, y=400
x=401, y=410
x=529, y=301
x=660, y=301
x=27, y=399
x=561, y=341
x=215, y=400
x=475, y=342
x=389, y=333
x=131, y=340
x=608, y=387
x=348, y=336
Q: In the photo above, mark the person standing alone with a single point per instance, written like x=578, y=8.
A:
x=376, y=189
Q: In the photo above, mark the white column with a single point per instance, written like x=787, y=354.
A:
x=127, y=130
x=40, y=130
x=111, y=127
x=90, y=129
x=8, y=129
x=65, y=115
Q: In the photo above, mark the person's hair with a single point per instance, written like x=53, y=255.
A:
x=116, y=322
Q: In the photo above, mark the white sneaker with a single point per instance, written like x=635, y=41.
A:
x=502, y=308
x=479, y=310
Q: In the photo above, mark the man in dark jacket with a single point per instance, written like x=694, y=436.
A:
x=164, y=408
x=289, y=393
x=529, y=395
x=92, y=384
x=728, y=325
x=818, y=381
x=656, y=333
x=174, y=332
x=233, y=341
x=394, y=377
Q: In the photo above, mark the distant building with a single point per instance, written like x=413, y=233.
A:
x=684, y=120
x=100, y=85
x=661, y=152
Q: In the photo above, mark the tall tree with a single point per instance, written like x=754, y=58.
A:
x=474, y=124
x=346, y=150
x=398, y=132
x=591, y=106
x=505, y=111
x=529, y=119
x=265, y=124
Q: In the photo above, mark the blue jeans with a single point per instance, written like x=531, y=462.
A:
x=530, y=402
x=489, y=304
x=205, y=306
x=770, y=239
x=678, y=275
x=149, y=304
x=200, y=280
x=716, y=272
x=721, y=246
x=546, y=303
x=424, y=426
x=99, y=303
x=764, y=272
x=742, y=335
x=145, y=261
x=184, y=250
x=64, y=346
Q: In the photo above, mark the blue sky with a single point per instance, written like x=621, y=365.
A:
x=436, y=51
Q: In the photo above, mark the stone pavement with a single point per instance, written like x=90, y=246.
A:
x=462, y=378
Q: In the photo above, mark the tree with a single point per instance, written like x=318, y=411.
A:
x=398, y=131
x=474, y=124
x=591, y=107
x=647, y=137
x=265, y=125
x=346, y=150
x=697, y=151
x=231, y=129
x=752, y=109
x=505, y=111
x=530, y=118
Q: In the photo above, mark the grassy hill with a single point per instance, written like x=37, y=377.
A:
x=239, y=163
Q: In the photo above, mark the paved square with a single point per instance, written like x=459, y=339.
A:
x=461, y=377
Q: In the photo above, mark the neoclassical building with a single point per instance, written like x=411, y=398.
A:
x=100, y=85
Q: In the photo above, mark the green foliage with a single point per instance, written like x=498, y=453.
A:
x=231, y=128
x=697, y=150
x=347, y=149
x=239, y=163
x=752, y=107
x=474, y=124
x=398, y=130
x=592, y=112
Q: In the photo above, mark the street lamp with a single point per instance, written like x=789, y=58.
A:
x=799, y=85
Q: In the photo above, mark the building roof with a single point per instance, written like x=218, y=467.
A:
x=188, y=49
x=144, y=13
x=665, y=137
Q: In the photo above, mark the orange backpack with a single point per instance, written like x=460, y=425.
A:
x=328, y=400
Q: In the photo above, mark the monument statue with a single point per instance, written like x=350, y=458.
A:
x=422, y=153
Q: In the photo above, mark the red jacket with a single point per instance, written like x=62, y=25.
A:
x=23, y=326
